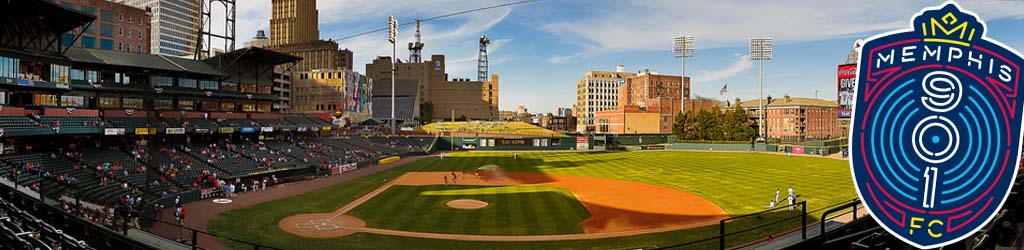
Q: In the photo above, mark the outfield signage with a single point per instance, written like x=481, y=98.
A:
x=247, y=130
x=174, y=131
x=113, y=131
x=267, y=129
x=226, y=130
x=512, y=142
x=582, y=142
x=847, y=86
x=935, y=132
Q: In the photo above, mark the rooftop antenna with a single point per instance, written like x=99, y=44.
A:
x=416, y=47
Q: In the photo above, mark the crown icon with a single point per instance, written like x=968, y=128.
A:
x=948, y=24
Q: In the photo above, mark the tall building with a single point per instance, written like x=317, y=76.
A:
x=793, y=119
x=431, y=87
x=293, y=21
x=117, y=26
x=345, y=58
x=597, y=91
x=647, y=104
x=174, y=25
x=294, y=31
x=332, y=90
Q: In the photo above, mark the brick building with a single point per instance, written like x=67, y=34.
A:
x=794, y=119
x=647, y=104
x=117, y=26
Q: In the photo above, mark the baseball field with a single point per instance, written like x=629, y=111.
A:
x=543, y=200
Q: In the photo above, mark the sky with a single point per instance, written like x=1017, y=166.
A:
x=540, y=49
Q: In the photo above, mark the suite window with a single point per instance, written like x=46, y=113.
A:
x=187, y=83
x=60, y=73
x=72, y=101
x=186, y=105
x=207, y=84
x=163, y=81
x=163, y=104
x=44, y=100
x=110, y=102
x=227, y=106
x=133, y=103
x=9, y=67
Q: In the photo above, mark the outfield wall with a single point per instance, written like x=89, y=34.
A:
x=485, y=143
x=722, y=147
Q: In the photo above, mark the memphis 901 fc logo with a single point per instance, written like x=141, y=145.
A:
x=936, y=127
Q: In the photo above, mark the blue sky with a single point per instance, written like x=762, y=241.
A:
x=540, y=49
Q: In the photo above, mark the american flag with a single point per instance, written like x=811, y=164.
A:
x=724, y=90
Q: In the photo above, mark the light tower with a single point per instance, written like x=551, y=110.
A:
x=761, y=50
x=415, y=48
x=682, y=47
x=392, y=37
x=481, y=63
x=204, y=42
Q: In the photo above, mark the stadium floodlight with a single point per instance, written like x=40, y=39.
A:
x=682, y=47
x=761, y=50
x=392, y=37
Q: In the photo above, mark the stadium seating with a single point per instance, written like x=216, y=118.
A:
x=21, y=230
x=17, y=122
x=133, y=172
x=182, y=168
x=71, y=121
x=132, y=122
x=274, y=122
x=227, y=160
x=237, y=122
x=191, y=123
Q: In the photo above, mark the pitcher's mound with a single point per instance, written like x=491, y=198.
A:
x=466, y=204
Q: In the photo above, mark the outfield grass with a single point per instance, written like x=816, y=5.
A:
x=512, y=210
x=738, y=182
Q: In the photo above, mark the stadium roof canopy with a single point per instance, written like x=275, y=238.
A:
x=140, y=60
x=35, y=27
x=250, y=64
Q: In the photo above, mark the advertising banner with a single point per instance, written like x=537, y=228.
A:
x=847, y=84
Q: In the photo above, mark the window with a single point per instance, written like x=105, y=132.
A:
x=8, y=67
x=120, y=31
x=72, y=101
x=106, y=15
x=89, y=9
x=77, y=75
x=227, y=106
x=60, y=73
x=133, y=103
x=140, y=34
x=120, y=17
x=88, y=42
x=248, y=107
x=106, y=30
x=44, y=100
x=67, y=40
x=207, y=84
x=68, y=5
x=163, y=104
x=106, y=44
x=92, y=76
x=187, y=83
x=186, y=105
x=128, y=46
x=163, y=81
x=110, y=102
x=119, y=46
x=129, y=19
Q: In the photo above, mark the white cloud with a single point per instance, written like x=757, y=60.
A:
x=457, y=38
x=741, y=64
x=650, y=25
x=556, y=59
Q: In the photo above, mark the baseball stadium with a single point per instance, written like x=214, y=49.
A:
x=125, y=149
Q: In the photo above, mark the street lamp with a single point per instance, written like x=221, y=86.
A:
x=682, y=47
x=392, y=37
x=761, y=50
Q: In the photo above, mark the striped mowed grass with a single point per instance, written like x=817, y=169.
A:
x=740, y=183
x=511, y=210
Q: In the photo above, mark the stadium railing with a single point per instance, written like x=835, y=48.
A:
x=751, y=230
x=195, y=238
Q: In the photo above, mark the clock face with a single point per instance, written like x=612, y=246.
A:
x=437, y=65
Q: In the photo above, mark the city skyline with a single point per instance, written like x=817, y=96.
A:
x=551, y=44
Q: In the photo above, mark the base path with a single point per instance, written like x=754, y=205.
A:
x=618, y=208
